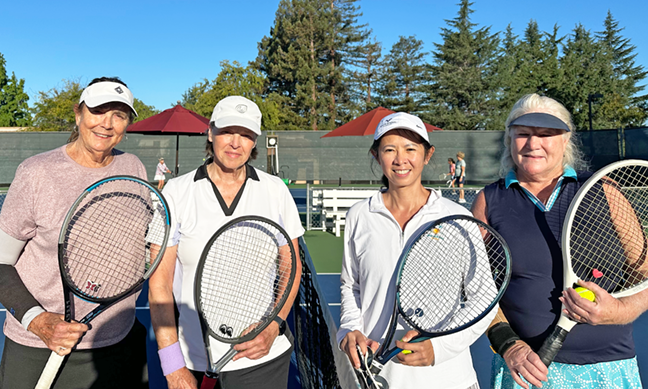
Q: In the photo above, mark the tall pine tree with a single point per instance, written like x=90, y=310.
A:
x=404, y=76
x=463, y=93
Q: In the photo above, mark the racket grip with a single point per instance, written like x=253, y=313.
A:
x=208, y=382
x=552, y=345
x=50, y=371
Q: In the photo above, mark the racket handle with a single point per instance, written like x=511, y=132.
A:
x=552, y=345
x=209, y=382
x=50, y=371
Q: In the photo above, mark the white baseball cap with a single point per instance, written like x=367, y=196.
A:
x=107, y=92
x=401, y=120
x=237, y=111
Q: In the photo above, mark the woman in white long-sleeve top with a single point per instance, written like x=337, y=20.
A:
x=377, y=230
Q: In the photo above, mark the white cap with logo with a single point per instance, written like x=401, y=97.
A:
x=401, y=120
x=237, y=111
x=107, y=92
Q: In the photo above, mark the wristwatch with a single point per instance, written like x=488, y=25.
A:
x=282, y=324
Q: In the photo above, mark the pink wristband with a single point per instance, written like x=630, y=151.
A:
x=171, y=358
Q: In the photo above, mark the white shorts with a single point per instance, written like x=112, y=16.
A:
x=159, y=177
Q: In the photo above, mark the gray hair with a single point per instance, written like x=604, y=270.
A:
x=535, y=103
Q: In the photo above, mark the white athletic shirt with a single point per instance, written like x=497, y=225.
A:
x=373, y=242
x=197, y=212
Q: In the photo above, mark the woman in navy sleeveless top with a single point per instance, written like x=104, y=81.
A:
x=527, y=207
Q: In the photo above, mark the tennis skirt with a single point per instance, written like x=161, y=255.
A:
x=159, y=177
x=623, y=374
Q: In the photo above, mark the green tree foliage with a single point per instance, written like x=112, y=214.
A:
x=54, y=109
x=363, y=76
x=304, y=59
x=404, y=77
x=232, y=80
x=143, y=111
x=14, y=111
x=587, y=69
x=463, y=91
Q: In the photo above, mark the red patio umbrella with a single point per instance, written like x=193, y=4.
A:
x=366, y=124
x=173, y=121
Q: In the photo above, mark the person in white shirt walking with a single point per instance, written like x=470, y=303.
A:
x=377, y=230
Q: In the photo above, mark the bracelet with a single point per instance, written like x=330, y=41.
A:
x=502, y=337
x=171, y=358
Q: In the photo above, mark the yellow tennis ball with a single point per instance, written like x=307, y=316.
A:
x=585, y=293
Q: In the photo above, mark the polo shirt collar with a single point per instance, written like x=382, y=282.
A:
x=511, y=177
x=201, y=172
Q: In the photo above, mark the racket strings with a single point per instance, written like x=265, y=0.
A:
x=452, y=274
x=245, y=277
x=608, y=233
x=108, y=241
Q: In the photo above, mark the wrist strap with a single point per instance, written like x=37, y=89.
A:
x=171, y=358
x=502, y=337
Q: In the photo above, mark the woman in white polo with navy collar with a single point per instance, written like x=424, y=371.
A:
x=224, y=188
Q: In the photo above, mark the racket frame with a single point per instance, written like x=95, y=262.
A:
x=54, y=362
x=547, y=352
x=383, y=355
x=213, y=369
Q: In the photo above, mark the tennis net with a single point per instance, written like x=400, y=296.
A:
x=320, y=363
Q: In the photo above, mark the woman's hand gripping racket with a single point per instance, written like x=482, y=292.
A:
x=111, y=241
x=450, y=276
x=604, y=239
x=243, y=280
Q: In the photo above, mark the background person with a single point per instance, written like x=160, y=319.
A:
x=160, y=169
x=452, y=169
x=377, y=230
x=113, y=354
x=527, y=207
x=200, y=202
x=460, y=175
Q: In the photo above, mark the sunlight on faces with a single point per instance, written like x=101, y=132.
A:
x=102, y=128
x=232, y=146
x=538, y=152
x=401, y=155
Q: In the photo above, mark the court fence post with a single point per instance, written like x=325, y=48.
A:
x=308, y=208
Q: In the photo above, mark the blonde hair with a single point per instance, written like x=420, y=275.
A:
x=535, y=103
x=461, y=155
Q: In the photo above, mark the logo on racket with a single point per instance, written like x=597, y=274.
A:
x=418, y=312
x=92, y=286
x=434, y=233
x=597, y=273
x=225, y=330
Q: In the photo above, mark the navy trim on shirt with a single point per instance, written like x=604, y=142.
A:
x=250, y=173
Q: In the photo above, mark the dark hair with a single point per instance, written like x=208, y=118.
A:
x=75, y=130
x=376, y=146
x=451, y=160
x=209, y=147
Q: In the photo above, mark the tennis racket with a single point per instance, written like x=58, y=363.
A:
x=112, y=240
x=604, y=239
x=243, y=280
x=450, y=276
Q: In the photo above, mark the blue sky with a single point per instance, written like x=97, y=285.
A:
x=161, y=48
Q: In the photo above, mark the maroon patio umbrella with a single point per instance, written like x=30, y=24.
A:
x=173, y=121
x=366, y=124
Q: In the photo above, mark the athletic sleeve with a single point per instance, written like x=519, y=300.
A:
x=350, y=312
x=17, y=217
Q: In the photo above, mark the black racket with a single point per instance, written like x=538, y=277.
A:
x=451, y=276
x=112, y=240
x=604, y=239
x=243, y=280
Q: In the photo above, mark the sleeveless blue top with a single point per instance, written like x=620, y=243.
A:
x=531, y=302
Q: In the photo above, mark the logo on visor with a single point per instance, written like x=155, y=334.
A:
x=241, y=108
x=119, y=90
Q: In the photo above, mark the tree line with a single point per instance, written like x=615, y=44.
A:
x=319, y=68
